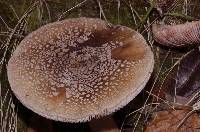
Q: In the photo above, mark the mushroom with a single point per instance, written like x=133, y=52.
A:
x=80, y=68
x=177, y=35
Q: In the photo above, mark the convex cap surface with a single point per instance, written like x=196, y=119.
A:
x=77, y=69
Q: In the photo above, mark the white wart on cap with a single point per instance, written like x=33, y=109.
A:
x=80, y=68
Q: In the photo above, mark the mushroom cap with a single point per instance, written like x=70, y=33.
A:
x=80, y=68
x=180, y=35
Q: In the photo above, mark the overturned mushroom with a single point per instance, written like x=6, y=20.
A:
x=177, y=35
x=80, y=68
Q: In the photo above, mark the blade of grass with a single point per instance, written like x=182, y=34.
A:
x=102, y=12
x=156, y=79
x=26, y=14
x=64, y=13
x=152, y=5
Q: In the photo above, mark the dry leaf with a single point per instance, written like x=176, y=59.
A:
x=168, y=121
x=184, y=79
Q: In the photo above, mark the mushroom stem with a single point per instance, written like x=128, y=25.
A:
x=39, y=124
x=105, y=124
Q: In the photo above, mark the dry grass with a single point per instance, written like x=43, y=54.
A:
x=9, y=107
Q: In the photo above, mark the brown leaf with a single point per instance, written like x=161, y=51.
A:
x=184, y=79
x=168, y=121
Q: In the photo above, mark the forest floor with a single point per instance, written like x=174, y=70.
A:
x=21, y=17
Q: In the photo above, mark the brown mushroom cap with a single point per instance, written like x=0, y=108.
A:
x=79, y=68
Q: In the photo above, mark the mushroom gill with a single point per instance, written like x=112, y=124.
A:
x=80, y=68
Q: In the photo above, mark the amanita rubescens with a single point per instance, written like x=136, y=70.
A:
x=77, y=69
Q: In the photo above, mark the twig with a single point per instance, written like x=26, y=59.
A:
x=176, y=63
x=102, y=12
x=79, y=4
x=185, y=118
x=118, y=9
x=152, y=87
x=5, y=23
x=48, y=10
x=134, y=12
x=26, y=14
x=133, y=113
x=165, y=101
x=147, y=14
x=14, y=12
x=7, y=34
